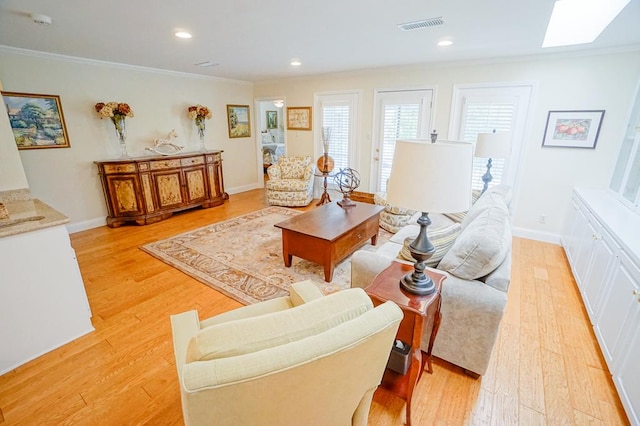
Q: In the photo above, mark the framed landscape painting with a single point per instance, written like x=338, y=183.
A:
x=299, y=118
x=573, y=129
x=238, y=121
x=37, y=121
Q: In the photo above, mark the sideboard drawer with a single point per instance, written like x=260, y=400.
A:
x=119, y=168
x=165, y=164
x=186, y=162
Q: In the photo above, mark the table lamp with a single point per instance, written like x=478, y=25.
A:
x=429, y=178
x=492, y=145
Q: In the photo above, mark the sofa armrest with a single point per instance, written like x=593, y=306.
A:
x=365, y=265
x=501, y=276
x=274, y=172
x=308, y=173
x=304, y=292
x=183, y=326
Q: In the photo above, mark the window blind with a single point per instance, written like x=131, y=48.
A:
x=485, y=117
x=337, y=118
x=400, y=121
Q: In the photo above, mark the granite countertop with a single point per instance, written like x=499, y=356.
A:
x=29, y=215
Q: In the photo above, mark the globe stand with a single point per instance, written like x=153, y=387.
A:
x=346, y=202
x=325, y=166
x=347, y=180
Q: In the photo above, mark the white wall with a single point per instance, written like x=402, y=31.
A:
x=66, y=178
x=604, y=81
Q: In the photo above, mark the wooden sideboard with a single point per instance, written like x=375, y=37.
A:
x=145, y=190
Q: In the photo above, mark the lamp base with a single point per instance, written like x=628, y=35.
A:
x=417, y=282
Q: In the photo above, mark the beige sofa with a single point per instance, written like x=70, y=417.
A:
x=303, y=359
x=478, y=269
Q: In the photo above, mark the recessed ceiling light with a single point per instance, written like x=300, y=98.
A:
x=182, y=34
x=445, y=43
x=295, y=63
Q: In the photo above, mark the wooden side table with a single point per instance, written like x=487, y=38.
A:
x=421, y=314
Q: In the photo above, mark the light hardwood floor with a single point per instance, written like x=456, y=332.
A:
x=546, y=367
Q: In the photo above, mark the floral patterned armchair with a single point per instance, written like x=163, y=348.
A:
x=290, y=182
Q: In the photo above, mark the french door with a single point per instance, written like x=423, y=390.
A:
x=399, y=114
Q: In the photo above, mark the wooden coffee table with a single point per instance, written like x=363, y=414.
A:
x=328, y=234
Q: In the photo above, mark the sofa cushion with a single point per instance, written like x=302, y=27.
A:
x=393, y=222
x=496, y=194
x=287, y=185
x=380, y=200
x=459, y=216
x=441, y=238
x=293, y=167
x=253, y=334
x=482, y=245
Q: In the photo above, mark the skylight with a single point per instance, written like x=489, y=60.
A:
x=580, y=21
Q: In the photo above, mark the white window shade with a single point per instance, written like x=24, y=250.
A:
x=337, y=118
x=400, y=121
x=485, y=116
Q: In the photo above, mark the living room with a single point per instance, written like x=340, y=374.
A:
x=67, y=179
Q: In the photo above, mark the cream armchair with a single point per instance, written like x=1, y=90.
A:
x=290, y=182
x=305, y=359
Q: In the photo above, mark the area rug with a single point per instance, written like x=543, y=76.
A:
x=242, y=257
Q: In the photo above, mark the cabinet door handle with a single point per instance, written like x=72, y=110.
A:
x=636, y=293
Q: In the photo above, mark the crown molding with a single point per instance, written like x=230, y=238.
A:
x=117, y=65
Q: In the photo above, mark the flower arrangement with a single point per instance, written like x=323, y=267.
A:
x=117, y=112
x=113, y=109
x=199, y=113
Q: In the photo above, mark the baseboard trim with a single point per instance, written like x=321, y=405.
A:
x=530, y=234
x=244, y=188
x=74, y=227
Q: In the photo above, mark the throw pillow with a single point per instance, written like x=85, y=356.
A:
x=459, y=217
x=482, y=246
x=380, y=199
x=441, y=238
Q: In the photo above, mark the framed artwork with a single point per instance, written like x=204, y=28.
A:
x=573, y=129
x=299, y=118
x=272, y=120
x=37, y=121
x=238, y=121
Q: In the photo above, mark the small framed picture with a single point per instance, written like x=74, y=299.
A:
x=272, y=120
x=238, y=121
x=573, y=129
x=299, y=118
x=37, y=121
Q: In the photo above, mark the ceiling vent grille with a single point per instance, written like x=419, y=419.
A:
x=207, y=64
x=419, y=25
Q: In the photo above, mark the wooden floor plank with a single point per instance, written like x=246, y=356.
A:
x=124, y=371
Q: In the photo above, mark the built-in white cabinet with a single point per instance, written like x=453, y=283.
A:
x=601, y=240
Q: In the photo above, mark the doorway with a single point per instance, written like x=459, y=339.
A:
x=270, y=134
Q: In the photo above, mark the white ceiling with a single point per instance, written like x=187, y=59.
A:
x=256, y=39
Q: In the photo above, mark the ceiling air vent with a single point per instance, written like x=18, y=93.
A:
x=207, y=64
x=418, y=25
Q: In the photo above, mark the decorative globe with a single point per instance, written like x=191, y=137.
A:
x=347, y=180
x=325, y=164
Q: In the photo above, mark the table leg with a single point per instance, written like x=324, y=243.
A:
x=328, y=271
x=285, y=249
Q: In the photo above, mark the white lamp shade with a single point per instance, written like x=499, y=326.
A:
x=493, y=145
x=431, y=177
